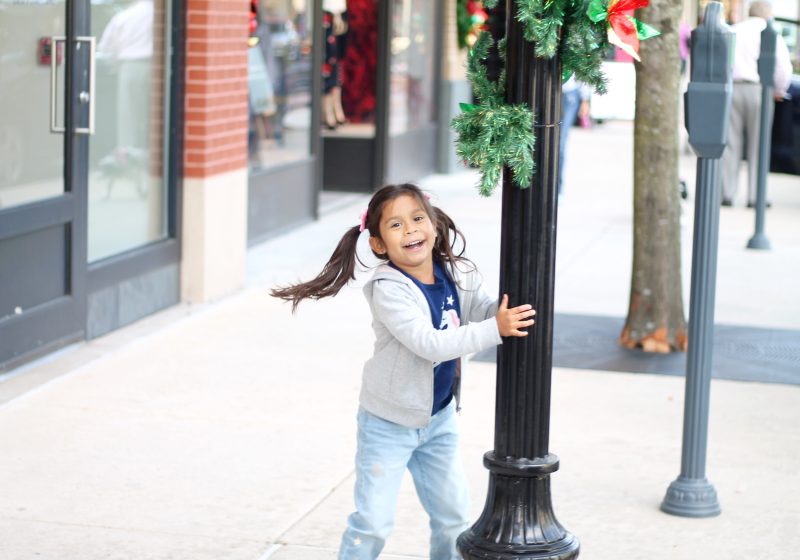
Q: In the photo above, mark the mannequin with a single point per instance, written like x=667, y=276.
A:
x=335, y=27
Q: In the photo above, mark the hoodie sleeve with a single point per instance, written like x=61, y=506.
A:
x=482, y=305
x=396, y=306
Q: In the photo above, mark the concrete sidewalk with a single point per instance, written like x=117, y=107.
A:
x=226, y=431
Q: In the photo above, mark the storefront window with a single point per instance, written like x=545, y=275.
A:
x=279, y=79
x=349, y=67
x=127, y=186
x=412, y=65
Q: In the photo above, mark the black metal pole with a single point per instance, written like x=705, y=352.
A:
x=496, y=25
x=518, y=519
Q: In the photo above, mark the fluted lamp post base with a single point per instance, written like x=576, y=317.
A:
x=518, y=521
x=691, y=497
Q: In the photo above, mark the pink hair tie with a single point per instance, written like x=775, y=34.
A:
x=363, y=219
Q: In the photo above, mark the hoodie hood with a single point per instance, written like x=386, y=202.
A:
x=387, y=272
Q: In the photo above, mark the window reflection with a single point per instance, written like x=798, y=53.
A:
x=279, y=81
x=127, y=194
x=412, y=66
x=31, y=158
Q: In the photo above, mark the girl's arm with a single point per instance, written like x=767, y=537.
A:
x=397, y=307
x=482, y=305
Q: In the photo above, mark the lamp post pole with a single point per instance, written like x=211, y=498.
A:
x=518, y=519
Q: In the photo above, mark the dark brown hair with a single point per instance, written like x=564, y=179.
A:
x=341, y=266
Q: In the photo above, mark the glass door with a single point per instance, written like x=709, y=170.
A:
x=46, y=90
x=31, y=158
x=127, y=175
x=84, y=90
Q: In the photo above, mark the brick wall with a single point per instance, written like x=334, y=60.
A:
x=157, y=93
x=216, y=87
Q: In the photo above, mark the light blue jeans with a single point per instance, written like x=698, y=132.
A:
x=385, y=449
x=570, y=105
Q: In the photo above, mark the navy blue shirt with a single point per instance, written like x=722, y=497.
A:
x=445, y=312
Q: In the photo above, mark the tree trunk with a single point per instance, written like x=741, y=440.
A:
x=656, y=321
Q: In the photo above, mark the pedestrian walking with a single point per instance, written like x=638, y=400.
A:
x=428, y=309
x=574, y=104
x=745, y=116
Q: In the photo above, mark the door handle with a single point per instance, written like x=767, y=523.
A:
x=92, y=65
x=54, y=41
x=89, y=98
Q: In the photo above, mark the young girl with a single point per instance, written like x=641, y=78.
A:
x=428, y=309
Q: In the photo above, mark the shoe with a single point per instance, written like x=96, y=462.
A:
x=753, y=204
x=726, y=202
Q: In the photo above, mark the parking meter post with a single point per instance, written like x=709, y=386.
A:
x=707, y=109
x=766, y=73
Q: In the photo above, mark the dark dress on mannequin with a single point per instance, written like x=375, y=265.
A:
x=331, y=72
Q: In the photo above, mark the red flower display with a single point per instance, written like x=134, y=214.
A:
x=360, y=61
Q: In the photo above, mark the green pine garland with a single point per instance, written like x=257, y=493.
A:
x=582, y=43
x=583, y=47
x=543, y=20
x=492, y=133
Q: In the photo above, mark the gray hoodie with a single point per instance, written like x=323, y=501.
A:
x=397, y=383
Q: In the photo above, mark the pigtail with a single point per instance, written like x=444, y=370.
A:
x=450, y=242
x=448, y=250
x=339, y=270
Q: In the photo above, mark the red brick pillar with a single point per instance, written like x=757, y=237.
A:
x=216, y=87
x=215, y=148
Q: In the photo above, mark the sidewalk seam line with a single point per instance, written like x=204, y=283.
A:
x=280, y=538
x=270, y=551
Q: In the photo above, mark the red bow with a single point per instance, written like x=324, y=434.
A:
x=623, y=26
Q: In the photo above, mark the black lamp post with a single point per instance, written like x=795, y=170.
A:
x=518, y=519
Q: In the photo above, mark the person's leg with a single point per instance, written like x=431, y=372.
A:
x=570, y=103
x=732, y=155
x=384, y=449
x=441, y=483
x=752, y=124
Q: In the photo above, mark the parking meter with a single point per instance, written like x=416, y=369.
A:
x=707, y=100
x=766, y=73
x=708, y=105
x=766, y=58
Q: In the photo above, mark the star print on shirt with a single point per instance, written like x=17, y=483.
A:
x=450, y=300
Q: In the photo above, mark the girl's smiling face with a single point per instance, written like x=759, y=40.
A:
x=407, y=237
